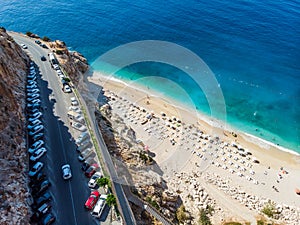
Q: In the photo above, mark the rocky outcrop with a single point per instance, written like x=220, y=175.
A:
x=13, y=158
x=136, y=164
x=72, y=62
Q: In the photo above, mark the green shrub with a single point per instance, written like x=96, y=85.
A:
x=181, y=214
x=203, y=217
x=269, y=209
x=260, y=222
x=59, y=52
x=28, y=33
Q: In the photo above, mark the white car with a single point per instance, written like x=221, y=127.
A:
x=78, y=126
x=75, y=109
x=35, y=116
x=93, y=181
x=38, y=154
x=23, y=46
x=67, y=89
x=35, y=130
x=34, y=123
x=66, y=172
x=35, y=169
x=74, y=102
x=35, y=146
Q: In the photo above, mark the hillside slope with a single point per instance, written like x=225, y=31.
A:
x=13, y=158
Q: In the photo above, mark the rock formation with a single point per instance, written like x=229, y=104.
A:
x=13, y=156
x=72, y=62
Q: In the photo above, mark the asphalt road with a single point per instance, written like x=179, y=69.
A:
x=68, y=196
x=126, y=211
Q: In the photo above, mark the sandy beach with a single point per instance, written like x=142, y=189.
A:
x=239, y=173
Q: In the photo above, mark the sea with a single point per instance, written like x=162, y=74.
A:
x=252, y=47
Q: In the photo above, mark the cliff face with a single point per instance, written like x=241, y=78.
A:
x=72, y=62
x=13, y=158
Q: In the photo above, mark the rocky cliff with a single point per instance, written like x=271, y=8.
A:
x=13, y=158
x=71, y=61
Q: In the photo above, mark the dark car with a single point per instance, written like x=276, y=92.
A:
x=39, y=178
x=44, y=46
x=37, y=137
x=48, y=219
x=42, y=188
x=38, y=42
x=91, y=170
x=43, y=58
x=46, y=197
x=85, y=166
x=40, y=212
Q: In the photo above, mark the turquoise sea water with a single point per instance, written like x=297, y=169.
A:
x=253, y=48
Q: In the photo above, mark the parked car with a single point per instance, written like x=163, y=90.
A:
x=32, y=91
x=82, y=137
x=24, y=46
x=38, y=42
x=38, y=154
x=75, y=109
x=34, y=103
x=35, y=146
x=98, y=209
x=46, y=197
x=36, y=130
x=37, y=180
x=37, y=137
x=74, y=102
x=84, y=146
x=43, y=187
x=31, y=76
x=35, y=169
x=43, y=58
x=32, y=97
x=85, y=166
x=92, y=200
x=32, y=111
x=35, y=116
x=91, y=170
x=66, y=171
x=85, y=155
x=41, y=211
x=67, y=89
x=48, y=219
x=31, y=82
x=31, y=86
x=44, y=46
x=93, y=181
x=78, y=126
x=34, y=123
x=56, y=67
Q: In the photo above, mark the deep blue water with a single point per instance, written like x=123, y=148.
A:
x=253, y=48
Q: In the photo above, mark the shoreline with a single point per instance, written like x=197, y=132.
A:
x=210, y=121
x=197, y=150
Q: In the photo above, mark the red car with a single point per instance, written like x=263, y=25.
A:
x=92, y=200
x=91, y=170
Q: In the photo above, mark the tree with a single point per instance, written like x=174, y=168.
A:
x=269, y=209
x=111, y=200
x=28, y=33
x=103, y=181
x=181, y=214
x=203, y=217
x=46, y=38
